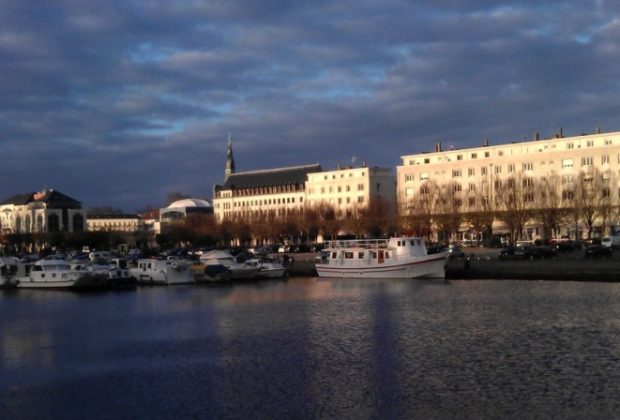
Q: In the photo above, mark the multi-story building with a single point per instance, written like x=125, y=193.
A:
x=483, y=174
x=115, y=223
x=350, y=189
x=41, y=212
x=282, y=190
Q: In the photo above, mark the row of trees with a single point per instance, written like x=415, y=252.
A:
x=588, y=199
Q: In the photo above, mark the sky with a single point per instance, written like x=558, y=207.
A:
x=119, y=103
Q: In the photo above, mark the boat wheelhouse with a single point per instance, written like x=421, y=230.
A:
x=400, y=257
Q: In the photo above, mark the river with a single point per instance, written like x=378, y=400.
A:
x=314, y=348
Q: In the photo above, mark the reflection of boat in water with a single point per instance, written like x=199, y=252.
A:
x=8, y=270
x=268, y=268
x=238, y=271
x=55, y=273
x=381, y=258
x=151, y=271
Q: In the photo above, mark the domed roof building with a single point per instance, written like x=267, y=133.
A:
x=180, y=209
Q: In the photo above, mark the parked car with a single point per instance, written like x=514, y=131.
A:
x=598, y=251
x=507, y=253
x=455, y=252
x=546, y=251
x=525, y=252
x=434, y=248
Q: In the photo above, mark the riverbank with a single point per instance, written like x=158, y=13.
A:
x=484, y=264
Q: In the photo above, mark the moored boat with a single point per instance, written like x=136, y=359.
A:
x=238, y=271
x=268, y=268
x=399, y=257
x=56, y=274
x=152, y=271
x=8, y=269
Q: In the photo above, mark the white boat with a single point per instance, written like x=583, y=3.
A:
x=268, y=268
x=55, y=273
x=238, y=271
x=401, y=257
x=152, y=271
x=114, y=273
x=8, y=269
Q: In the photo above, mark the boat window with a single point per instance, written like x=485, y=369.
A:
x=373, y=254
x=412, y=242
x=37, y=268
x=53, y=274
x=399, y=243
x=387, y=254
x=360, y=255
x=334, y=254
x=348, y=255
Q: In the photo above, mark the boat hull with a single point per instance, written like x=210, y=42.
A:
x=432, y=266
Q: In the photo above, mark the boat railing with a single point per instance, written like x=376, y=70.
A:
x=357, y=243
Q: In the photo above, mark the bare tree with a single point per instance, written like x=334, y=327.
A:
x=514, y=197
x=481, y=209
x=448, y=211
x=588, y=193
x=548, y=208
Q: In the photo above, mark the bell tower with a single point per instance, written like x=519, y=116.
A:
x=230, y=161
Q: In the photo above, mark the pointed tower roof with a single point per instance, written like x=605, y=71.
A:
x=230, y=161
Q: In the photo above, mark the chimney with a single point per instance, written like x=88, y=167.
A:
x=598, y=130
x=438, y=146
x=537, y=136
x=561, y=133
x=486, y=142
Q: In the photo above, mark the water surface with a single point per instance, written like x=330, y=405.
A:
x=309, y=348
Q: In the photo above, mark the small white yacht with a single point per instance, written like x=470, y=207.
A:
x=402, y=257
x=152, y=271
x=238, y=271
x=268, y=268
x=55, y=273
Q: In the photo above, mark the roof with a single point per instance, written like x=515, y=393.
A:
x=269, y=177
x=50, y=197
x=189, y=202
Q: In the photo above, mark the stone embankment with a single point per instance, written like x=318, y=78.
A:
x=484, y=264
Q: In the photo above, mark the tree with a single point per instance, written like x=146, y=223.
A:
x=514, y=197
x=548, y=208
x=448, y=213
x=481, y=210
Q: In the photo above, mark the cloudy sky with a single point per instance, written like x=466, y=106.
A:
x=121, y=102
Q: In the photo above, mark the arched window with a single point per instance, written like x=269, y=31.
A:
x=18, y=224
x=53, y=224
x=39, y=227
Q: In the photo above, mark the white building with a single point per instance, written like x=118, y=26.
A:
x=41, y=212
x=479, y=174
x=115, y=223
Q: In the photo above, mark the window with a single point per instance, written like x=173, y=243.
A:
x=409, y=192
x=529, y=166
x=487, y=154
x=483, y=171
x=360, y=255
x=459, y=157
x=570, y=145
x=427, y=160
x=567, y=179
x=586, y=161
x=472, y=202
x=528, y=182
x=408, y=178
x=471, y=172
x=498, y=169
x=360, y=187
x=348, y=255
x=567, y=163
x=528, y=197
x=360, y=199
x=456, y=173
x=423, y=176
x=511, y=167
x=474, y=155
x=608, y=142
x=500, y=153
x=457, y=187
x=589, y=143
x=472, y=186
x=605, y=192
x=568, y=195
x=604, y=159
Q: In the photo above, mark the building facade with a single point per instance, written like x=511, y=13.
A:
x=351, y=189
x=115, y=223
x=42, y=212
x=280, y=191
x=180, y=209
x=562, y=172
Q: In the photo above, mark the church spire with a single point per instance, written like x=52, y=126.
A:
x=230, y=160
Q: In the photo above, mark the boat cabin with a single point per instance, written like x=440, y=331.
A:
x=373, y=251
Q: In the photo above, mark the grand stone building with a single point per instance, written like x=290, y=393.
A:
x=282, y=190
x=535, y=172
x=45, y=211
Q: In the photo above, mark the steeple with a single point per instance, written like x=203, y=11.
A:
x=230, y=161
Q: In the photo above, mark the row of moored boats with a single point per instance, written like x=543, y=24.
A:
x=56, y=272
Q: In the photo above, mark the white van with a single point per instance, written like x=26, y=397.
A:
x=99, y=254
x=611, y=241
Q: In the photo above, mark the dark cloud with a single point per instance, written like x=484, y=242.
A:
x=120, y=102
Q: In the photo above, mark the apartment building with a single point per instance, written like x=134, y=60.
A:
x=478, y=173
x=350, y=189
